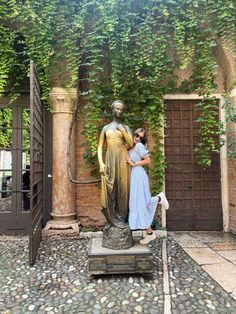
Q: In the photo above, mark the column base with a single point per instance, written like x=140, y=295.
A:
x=54, y=224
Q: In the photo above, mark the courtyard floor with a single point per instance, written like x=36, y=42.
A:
x=59, y=282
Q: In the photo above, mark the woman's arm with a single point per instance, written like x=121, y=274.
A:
x=145, y=161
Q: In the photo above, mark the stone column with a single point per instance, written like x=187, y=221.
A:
x=232, y=176
x=63, y=190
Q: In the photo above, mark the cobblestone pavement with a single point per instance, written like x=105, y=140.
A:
x=59, y=283
x=192, y=289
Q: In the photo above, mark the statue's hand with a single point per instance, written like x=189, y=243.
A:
x=120, y=127
x=102, y=169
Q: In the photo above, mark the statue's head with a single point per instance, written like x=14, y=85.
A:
x=117, y=108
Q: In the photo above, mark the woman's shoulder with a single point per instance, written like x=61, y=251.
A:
x=141, y=149
x=140, y=145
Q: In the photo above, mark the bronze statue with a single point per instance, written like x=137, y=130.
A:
x=115, y=172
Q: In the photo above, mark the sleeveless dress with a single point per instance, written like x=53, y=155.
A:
x=116, y=182
x=142, y=206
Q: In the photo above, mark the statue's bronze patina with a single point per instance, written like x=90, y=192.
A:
x=115, y=177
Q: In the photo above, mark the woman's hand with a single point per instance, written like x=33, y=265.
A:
x=130, y=162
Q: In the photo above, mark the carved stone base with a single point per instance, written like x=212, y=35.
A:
x=117, y=239
x=54, y=224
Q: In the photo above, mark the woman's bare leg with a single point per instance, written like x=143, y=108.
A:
x=149, y=230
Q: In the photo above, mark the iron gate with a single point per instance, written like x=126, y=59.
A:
x=36, y=164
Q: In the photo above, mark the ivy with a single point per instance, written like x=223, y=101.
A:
x=230, y=117
x=6, y=131
x=211, y=130
x=203, y=80
x=126, y=49
x=6, y=59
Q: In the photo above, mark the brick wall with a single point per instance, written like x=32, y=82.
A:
x=87, y=195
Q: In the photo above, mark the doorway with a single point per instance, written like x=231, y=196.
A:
x=14, y=169
x=194, y=193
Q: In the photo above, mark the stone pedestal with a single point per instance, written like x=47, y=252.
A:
x=103, y=261
x=63, y=190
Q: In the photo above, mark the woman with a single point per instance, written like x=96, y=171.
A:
x=142, y=206
x=115, y=171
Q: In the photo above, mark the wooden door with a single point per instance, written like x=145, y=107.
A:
x=14, y=157
x=36, y=165
x=194, y=193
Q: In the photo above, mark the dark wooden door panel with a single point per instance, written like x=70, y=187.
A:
x=36, y=155
x=207, y=224
x=194, y=193
x=185, y=224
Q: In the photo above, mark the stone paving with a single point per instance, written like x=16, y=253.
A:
x=192, y=289
x=59, y=282
x=215, y=252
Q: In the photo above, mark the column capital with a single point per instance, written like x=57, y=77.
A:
x=62, y=100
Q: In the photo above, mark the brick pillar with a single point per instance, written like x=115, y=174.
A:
x=63, y=190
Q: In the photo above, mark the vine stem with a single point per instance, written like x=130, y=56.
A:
x=68, y=154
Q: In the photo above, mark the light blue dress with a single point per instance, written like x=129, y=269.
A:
x=142, y=206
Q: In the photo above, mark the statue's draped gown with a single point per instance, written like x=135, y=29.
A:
x=116, y=181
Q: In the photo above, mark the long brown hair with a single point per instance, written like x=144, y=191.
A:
x=144, y=139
